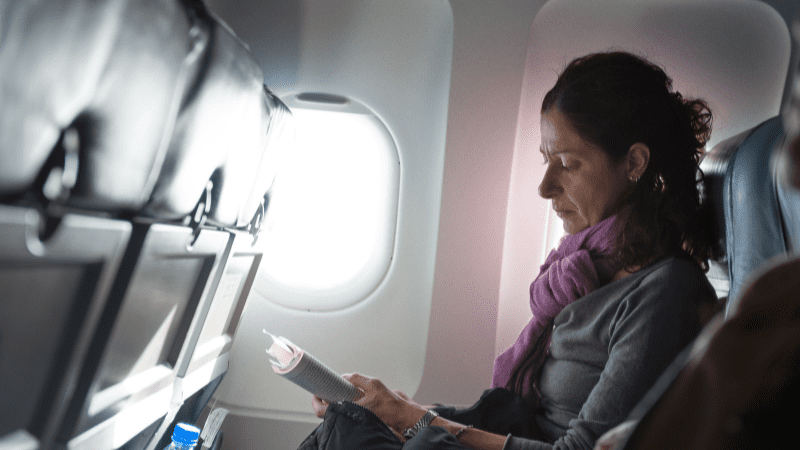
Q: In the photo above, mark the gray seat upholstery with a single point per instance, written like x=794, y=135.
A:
x=230, y=130
x=139, y=146
x=144, y=115
x=98, y=78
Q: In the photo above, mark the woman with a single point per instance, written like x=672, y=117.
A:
x=613, y=304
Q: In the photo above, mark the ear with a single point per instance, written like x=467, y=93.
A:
x=637, y=160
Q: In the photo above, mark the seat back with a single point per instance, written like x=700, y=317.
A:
x=229, y=133
x=123, y=270
x=99, y=79
x=751, y=214
x=52, y=295
x=170, y=324
x=88, y=97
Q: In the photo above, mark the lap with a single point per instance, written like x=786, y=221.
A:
x=351, y=426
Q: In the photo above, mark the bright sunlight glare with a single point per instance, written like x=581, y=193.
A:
x=331, y=224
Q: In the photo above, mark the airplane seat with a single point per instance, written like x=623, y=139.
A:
x=92, y=95
x=87, y=102
x=226, y=143
x=749, y=233
x=230, y=135
x=171, y=323
x=126, y=302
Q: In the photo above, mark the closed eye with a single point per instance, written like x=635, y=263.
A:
x=562, y=162
x=569, y=167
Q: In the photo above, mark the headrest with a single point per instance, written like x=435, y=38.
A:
x=741, y=184
x=92, y=81
x=230, y=130
x=134, y=107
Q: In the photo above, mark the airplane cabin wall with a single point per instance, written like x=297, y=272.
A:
x=490, y=44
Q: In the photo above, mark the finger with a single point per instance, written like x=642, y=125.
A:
x=358, y=380
x=351, y=376
x=320, y=406
x=359, y=386
x=367, y=383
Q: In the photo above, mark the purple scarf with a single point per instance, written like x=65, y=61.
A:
x=577, y=267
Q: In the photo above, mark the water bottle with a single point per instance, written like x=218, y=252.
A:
x=184, y=437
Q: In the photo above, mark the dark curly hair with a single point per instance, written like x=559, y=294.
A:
x=614, y=100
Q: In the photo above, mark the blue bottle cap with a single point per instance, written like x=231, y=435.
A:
x=185, y=434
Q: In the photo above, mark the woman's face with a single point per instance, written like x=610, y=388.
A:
x=581, y=180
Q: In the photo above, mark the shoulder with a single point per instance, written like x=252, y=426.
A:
x=671, y=287
x=659, y=311
x=672, y=275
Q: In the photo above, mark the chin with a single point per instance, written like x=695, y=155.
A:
x=570, y=228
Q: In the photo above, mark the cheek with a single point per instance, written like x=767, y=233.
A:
x=584, y=194
x=594, y=197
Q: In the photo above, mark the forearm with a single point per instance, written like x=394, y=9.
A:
x=472, y=438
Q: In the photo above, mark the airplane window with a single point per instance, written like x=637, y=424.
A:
x=331, y=220
x=554, y=233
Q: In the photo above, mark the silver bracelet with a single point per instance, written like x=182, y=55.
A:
x=423, y=422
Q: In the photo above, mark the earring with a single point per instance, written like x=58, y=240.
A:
x=634, y=180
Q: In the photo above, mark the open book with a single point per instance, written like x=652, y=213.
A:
x=302, y=369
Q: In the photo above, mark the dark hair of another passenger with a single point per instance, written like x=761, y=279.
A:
x=615, y=100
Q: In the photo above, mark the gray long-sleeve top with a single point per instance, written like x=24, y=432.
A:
x=610, y=346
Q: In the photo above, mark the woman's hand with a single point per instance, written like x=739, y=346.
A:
x=405, y=397
x=320, y=406
x=394, y=408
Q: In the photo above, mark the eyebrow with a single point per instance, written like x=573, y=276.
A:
x=558, y=152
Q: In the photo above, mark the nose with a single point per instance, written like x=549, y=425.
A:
x=549, y=187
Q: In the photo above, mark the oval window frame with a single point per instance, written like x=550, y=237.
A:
x=327, y=297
